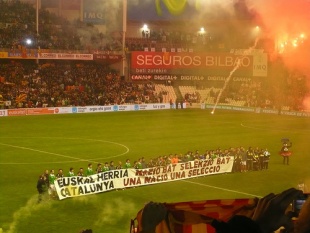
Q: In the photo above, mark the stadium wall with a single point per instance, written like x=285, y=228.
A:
x=141, y=107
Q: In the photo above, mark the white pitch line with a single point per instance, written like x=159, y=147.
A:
x=41, y=151
x=215, y=187
x=257, y=128
x=65, y=156
x=269, y=129
x=78, y=159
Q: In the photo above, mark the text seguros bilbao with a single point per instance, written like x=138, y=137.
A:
x=190, y=61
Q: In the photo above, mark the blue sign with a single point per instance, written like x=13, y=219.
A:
x=115, y=108
x=136, y=107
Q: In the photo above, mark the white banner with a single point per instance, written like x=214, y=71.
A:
x=260, y=64
x=124, y=178
x=84, y=109
x=66, y=56
x=151, y=106
x=63, y=110
x=3, y=112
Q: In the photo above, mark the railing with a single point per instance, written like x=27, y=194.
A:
x=85, y=51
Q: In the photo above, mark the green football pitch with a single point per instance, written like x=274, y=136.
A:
x=31, y=144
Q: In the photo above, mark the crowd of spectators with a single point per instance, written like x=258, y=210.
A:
x=193, y=97
x=251, y=93
x=169, y=39
x=59, y=84
x=271, y=213
x=27, y=84
x=262, y=94
x=18, y=24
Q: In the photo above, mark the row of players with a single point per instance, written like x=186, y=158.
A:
x=244, y=160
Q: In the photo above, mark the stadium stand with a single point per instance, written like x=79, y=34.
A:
x=167, y=92
x=28, y=84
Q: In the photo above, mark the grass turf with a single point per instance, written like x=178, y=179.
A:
x=31, y=144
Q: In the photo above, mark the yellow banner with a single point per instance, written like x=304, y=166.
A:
x=3, y=54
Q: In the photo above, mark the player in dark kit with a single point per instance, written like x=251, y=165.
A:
x=285, y=152
x=41, y=187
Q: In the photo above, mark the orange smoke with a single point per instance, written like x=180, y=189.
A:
x=288, y=22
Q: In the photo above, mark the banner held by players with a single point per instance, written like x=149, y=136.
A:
x=124, y=178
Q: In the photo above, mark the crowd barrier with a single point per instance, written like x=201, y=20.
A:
x=255, y=110
x=140, y=107
x=84, y=109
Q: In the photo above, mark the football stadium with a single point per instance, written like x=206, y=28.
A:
x=199, y=107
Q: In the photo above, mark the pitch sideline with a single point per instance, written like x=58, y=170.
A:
x=76, y=159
